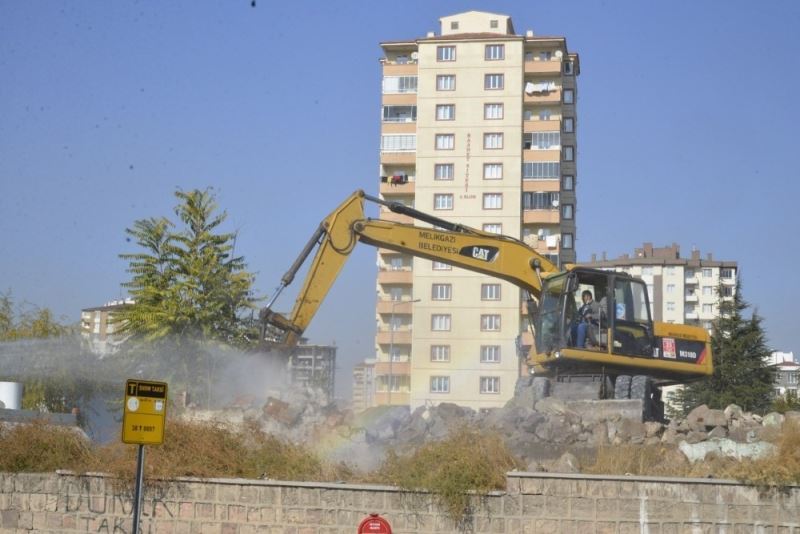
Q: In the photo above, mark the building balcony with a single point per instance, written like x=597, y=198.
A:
x=692, y=315
x=550, y=97
x=398, y=127
x=541, y=126
x=526, y=338
x=691, y=280
x=387, y=215
x=398, y=398
x=543, y=67
x=394, y=369
x=404, y=276
x=728, y=281
x=390, y=188
x=530, y=185
x=394, y=306
x=399, y=99
x=385, y=336
x=399, y=69
x=541, y=216
x=690, y=298
x=408, y=157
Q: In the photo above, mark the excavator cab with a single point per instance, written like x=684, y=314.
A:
x=594, y=310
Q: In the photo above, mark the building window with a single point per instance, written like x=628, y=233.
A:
x=569, y=153
x=492, y=171
x=396, y=263
x=541, y=140
x=441, y=291
x=569, y=96
x=727, y=291
x=541, y=170
x=492, y=111
x=707, y=273
x=495, y=52
x=492, y=141
x=669, y=271
x=568, y=212
x=440, y=353
x=726, y=273
x=490, y=323
x=443, y=201
x=569, y=67
x=399, y=113
x=398, y=143
x=568, y=125
x=399, y=84
x=493, y=228
x=647, y=271
x=492, y=201
x=454, y=25
x=708, y=308
x=670, y=306
x=443, y=171
x=445, y=53
x=493, y=81
x=493, y=23
x=490, y=291
x=545, y=114
x=567, y=241
x=568, y=182
x=536, y=200
x=445, y=112
x=490, y=384
x=689, y=273
x=445, y=141
x=440, y=322
x=708, y=291
x=490, y=353
x=446, y=82
x=545, y=55
x=440, y=384
x=396, y=293
x=441, y=266
x=670, y=288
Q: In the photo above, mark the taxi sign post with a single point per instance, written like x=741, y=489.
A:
x=143, y=424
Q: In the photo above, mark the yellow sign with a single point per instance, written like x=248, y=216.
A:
x=144, y=413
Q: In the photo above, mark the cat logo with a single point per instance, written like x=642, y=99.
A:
x=487, y=254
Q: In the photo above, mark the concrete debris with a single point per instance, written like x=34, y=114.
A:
x=546, y=433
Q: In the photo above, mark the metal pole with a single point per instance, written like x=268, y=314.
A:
x=137, y=495
x=391, y=351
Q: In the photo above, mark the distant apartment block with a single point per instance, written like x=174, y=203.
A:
x=478, y=126
x=787, y=373
x=682, y=290
x=364, y=385
x=314, y=366
x=98, y=329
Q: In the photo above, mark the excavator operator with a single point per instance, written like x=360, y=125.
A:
x=586, y=317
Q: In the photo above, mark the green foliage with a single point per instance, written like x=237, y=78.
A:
x=186, y=283
x=742, y=375
x=786, y=403
x=20, y=322
x=468, y=460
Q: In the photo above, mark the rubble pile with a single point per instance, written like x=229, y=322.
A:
x=547, y=434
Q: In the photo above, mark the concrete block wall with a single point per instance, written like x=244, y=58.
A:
x=532, y=503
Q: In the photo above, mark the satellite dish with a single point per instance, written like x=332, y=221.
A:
x=414, y=55
x=559, y=54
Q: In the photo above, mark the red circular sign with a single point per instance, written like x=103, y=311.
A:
x=374, y=524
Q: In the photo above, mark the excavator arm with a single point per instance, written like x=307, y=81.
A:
x=491, y=254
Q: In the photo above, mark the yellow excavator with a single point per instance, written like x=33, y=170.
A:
x=623, y=354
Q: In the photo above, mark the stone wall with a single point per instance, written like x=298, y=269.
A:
x=532, y=503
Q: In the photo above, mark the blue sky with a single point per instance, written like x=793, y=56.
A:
x=687, y=116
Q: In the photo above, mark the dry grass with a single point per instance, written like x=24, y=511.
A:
x=39, y=447
x=468, y=460
x=778, y=470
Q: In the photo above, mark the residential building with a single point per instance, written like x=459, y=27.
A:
x=364, y=385
x=314, y=366
x=478, y=127
x=98, y=329
x=787, y=374
x=682, y=290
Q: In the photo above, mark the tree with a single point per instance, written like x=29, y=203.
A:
x=26, y=322
x=742, y=374
x=186, y=283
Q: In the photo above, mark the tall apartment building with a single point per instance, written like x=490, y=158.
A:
x=364, y=385
x=478, y=127
x=682, y=290
x=98, y=330
x=313, y=366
